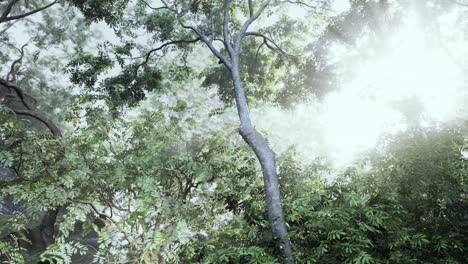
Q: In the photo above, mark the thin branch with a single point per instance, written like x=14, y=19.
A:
x=7, y=27
x=117, y=206
x=11, y=76
x=148, y=55
x=102, y=215
x=227, y=39
x=153, y=8
x=26, y=14
x=250, y=8
x=267, y=41
x=258, y=50
x=248, y=23
x=21, y=176
x=298, y=3
x=212, y=36
x=212, y=16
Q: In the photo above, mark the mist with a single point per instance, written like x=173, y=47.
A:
x=413, y=79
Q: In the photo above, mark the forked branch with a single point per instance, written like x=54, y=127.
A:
x=248, y=23
x=7, y=10
x=102, y=215
x=202, y=36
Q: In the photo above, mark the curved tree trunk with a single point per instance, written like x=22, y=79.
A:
x=266, y=157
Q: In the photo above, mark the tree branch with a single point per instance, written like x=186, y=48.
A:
x=31, y=109
x=5, y=19
x=212, y=16
x=11, y=76
x=227, y=39
x=102, y=215
x=148, y=55
x=47, y=122
x=7, y=27
x=248, y=23
x=203, y=37
x=298, y=3
x=267, y=41
x=153, y=8
x=19, y=92
x=258, y=50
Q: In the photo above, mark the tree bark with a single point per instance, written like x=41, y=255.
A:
x=47, y=227
x=266, y=157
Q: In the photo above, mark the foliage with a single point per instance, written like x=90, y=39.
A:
x=126, y=89
x=409, y=208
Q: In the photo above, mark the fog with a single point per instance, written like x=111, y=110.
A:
x=415, y=79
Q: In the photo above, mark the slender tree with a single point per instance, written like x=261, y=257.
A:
x=231, y=60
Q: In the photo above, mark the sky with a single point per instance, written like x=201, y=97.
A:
x=340, y=6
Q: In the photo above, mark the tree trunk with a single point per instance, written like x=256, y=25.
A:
x=266, y=157
x=47, y=227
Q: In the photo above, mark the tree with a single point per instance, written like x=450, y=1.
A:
x=254, y=139
x=209, y=22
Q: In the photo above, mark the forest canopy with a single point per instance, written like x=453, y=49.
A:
x=233, y=131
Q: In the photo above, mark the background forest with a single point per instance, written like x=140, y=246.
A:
x=232, y=131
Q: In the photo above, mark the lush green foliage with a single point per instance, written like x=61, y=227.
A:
x=409, y=208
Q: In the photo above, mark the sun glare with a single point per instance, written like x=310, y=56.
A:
x=412, y=80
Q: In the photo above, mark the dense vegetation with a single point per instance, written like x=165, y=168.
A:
x=128, y=150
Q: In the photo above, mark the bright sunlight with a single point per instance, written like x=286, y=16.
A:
x=414, y=78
